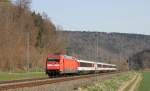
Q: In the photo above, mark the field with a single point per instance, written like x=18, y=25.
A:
x=145, y=83
x=14, y=76
x=113, y=84
x=131, y=81
x=110, y=84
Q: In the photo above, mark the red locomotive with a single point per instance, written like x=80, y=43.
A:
x=57, y=64
x=61, y=64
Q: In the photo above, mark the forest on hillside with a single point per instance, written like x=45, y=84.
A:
x=26, y=37
x=140, y=60
x=115, y=48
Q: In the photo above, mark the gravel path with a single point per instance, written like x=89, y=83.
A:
x=132, y=84
x=135, y=84
x=126, y=84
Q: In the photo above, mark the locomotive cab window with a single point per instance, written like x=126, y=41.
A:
x=82, y=64
x=52, y=60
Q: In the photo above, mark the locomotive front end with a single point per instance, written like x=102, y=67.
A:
x=53, y=65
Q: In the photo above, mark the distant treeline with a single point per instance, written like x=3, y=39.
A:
x=140, y=60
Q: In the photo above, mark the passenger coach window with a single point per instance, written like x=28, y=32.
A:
x=53, y=60
x=105, y=66
x=99, y=65
x=114, y=67
x=110, y=66
x=85, y=64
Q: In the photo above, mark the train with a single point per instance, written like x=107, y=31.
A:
x=59, y=64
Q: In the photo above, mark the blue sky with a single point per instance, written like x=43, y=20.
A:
x=127, y=16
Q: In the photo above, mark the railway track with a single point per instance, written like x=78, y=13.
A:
x=22, y=80
x=5, y=85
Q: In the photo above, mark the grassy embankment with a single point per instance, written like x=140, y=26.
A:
x=110, y=84
x=15, y=76
x=145, y=83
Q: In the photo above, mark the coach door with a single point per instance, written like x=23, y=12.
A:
x=61, y=64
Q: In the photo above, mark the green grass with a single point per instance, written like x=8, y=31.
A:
x=110, y=84
x=145, y=83
x=15, y=76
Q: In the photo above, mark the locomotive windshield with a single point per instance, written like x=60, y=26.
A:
x=53, y=60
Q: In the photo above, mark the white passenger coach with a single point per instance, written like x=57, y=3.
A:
x=95, y=66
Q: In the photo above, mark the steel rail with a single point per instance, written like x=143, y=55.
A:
x=42, y=81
